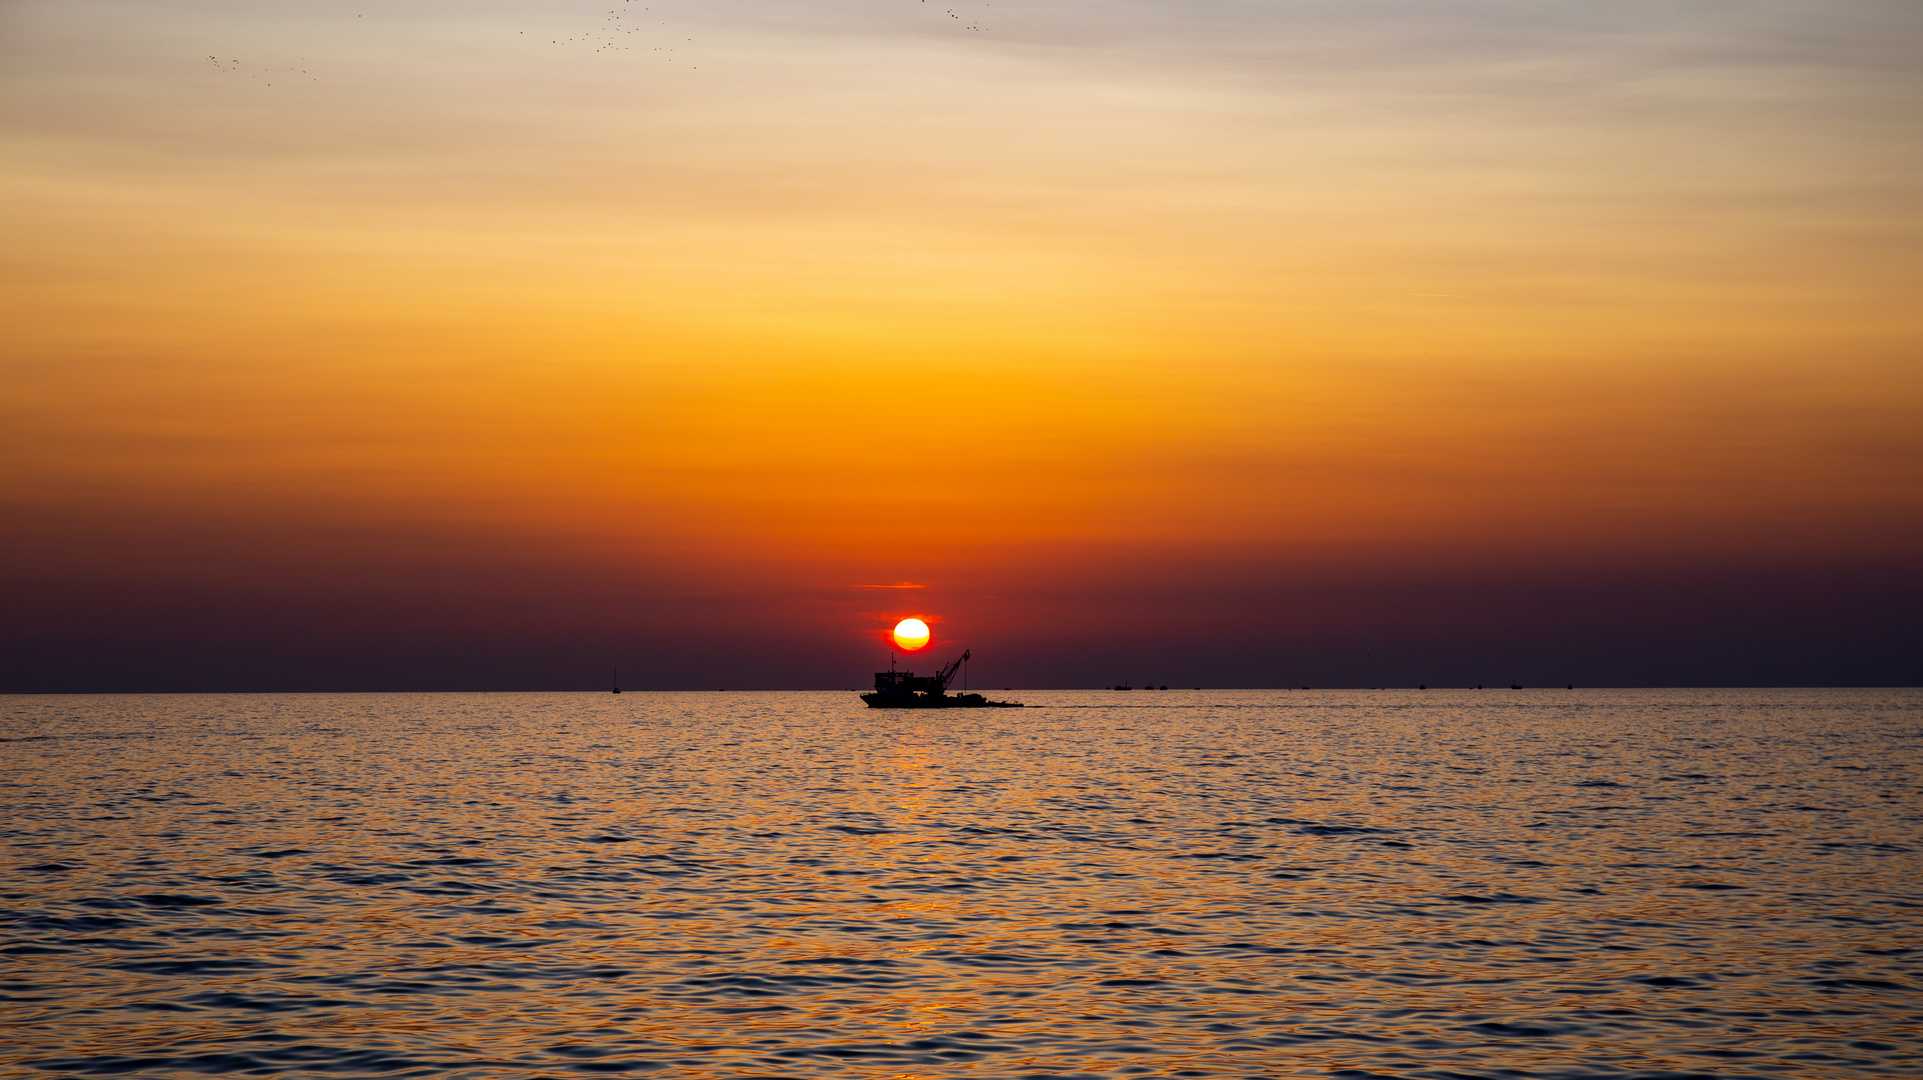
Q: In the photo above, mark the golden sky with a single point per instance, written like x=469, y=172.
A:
x=744, y=305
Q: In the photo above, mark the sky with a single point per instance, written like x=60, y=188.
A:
x=494, y=345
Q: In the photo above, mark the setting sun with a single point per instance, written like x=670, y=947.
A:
x=911, y=634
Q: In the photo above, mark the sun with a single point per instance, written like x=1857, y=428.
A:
x=911, y=634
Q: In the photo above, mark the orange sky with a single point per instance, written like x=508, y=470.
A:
x=745, y=306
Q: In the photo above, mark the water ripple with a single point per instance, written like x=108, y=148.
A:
x=1445, y=884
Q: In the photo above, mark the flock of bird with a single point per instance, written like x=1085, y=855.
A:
x=610, y=37
x=232, y=67
x=971, y=26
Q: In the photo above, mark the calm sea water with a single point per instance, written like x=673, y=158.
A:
x=1238, y=884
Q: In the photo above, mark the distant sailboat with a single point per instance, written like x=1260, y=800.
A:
x=617, y=680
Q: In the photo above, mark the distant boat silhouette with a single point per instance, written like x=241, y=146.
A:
x=906, y=690
x=617, y=680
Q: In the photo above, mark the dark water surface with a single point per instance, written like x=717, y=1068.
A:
x=1238, y=884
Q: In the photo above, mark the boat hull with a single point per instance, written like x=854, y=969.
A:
x=932, y=701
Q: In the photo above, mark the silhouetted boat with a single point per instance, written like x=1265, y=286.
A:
x=907, y=690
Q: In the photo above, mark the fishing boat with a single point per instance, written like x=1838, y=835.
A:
x=907, y=690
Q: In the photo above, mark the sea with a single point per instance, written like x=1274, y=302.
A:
x=1394, y=883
